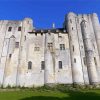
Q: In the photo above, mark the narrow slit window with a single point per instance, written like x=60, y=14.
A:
x=24, y=37
x=74, y=60
x=42, y=65
x=95, y=61
x=60, y=64
x=94, y=46
x=72, y=28
x=29, y=65
x=73, y=48
x=70, y=21
x=84, y=59
x=9, y=29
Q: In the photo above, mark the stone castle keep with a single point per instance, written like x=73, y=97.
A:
x=34, y=57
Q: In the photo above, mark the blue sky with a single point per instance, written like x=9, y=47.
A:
x=45, y=12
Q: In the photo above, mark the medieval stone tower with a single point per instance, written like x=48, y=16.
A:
x=31, y=57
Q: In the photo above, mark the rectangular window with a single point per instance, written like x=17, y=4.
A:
x=62, y=46
x=17, y=45
x=9, y=29
x=36, y=49
x=42, y=65
x=60, y=64
x=29, y=65
x=50, y=46
x=19, y=28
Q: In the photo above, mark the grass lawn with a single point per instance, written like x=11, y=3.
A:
x=49, y=95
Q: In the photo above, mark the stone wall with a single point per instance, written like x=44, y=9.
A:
x=31, y=57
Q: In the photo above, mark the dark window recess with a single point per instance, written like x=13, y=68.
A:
x=29, y=65
x=73, y=48
x=95, y=61
x=74, y=60
x=72, y=28
x=35, y=34
x=60, y=36
x=19, y=28
x=50, y=46
x=42, y=65
x=49, y=33
x=16, y=44
x=62, y=46
x=60, y=64
x=9, y=29
x=36, y=49
x=10, y=55
x=41, y=33
x=27, y=22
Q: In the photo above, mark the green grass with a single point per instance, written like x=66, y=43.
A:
x=29, y=94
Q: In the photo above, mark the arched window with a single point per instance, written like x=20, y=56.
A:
x=29, y=65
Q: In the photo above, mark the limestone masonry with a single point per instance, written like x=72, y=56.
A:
x=34, y=57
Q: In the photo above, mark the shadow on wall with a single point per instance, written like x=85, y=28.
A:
x=69, y=96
